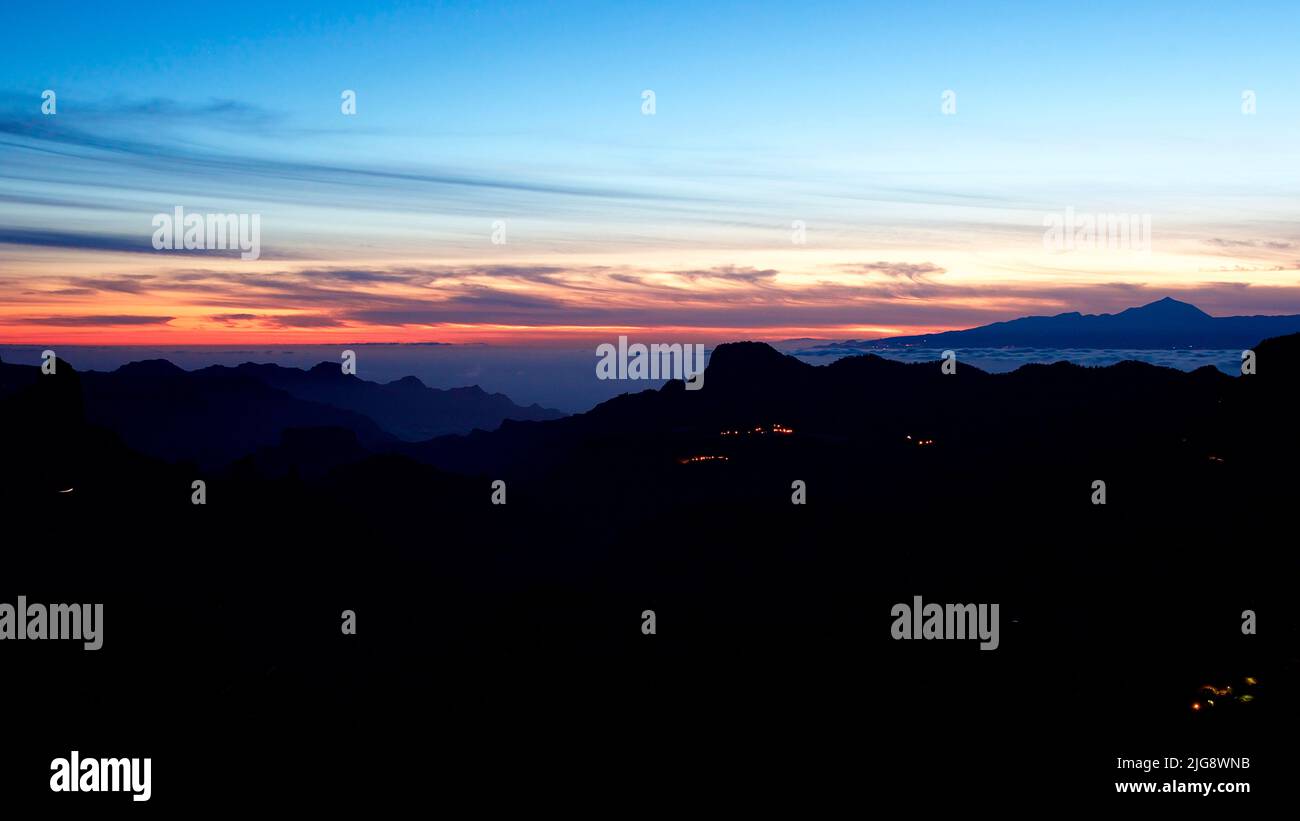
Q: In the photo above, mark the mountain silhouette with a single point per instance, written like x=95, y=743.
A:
x=219, y=414
x=405, y=408
x=209, y=417
x=1043, y=415
x=1165, y=323
x=960, y=487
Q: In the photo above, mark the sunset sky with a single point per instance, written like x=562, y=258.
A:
x=379, y=226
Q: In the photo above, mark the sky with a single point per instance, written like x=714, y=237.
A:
x=822, y=170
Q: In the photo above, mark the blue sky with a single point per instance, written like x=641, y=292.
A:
x=766, y=113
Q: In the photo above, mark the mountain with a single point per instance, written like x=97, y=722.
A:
x=968, y=487
x=1166, y=323
x=865, y=405
x=217, y=415
x=211, y=417
x=405, y=408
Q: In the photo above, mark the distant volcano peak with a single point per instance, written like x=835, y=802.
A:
x=1165, y=323
x=1168, y=308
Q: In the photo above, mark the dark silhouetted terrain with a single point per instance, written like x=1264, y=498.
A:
x=1166, y=323
x=478, y=622
x=216, y=415
x=405, y=407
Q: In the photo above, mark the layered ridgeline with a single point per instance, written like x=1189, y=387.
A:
x=888, y=409
x=862, y=423
x=866, y=426
x=1166, y=323
x=957, y=487
x=219, y=414
x=405, y=407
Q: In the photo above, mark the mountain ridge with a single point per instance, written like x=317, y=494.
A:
x=406, y=407
x=1164, y=323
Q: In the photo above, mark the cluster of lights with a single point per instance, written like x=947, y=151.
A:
x=759, y=430
x=1209, y=691
x=689, y=459
x=920, y=442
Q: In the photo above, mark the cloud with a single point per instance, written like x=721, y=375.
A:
x=730, y=272
x=301, y=321
x=126, y=283
x=234, y=115
x=907, y=270
x=893, y=295
x=217, y=112
x=129, y=130
x=276, y=320
x=79, y=321
x=135, y=243
x=232, y=320
x=1274, y=245
x=53, y=202
x=141, y=243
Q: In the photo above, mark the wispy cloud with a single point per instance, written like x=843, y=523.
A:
x=73, y=321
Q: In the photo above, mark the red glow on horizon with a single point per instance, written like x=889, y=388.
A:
x=541, y=336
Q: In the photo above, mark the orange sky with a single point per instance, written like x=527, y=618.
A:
x=61, y=296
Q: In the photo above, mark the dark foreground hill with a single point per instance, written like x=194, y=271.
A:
x=879, y=425
x=405, y=407
x=218, y=415
x=488, y=632
x=210, y=417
